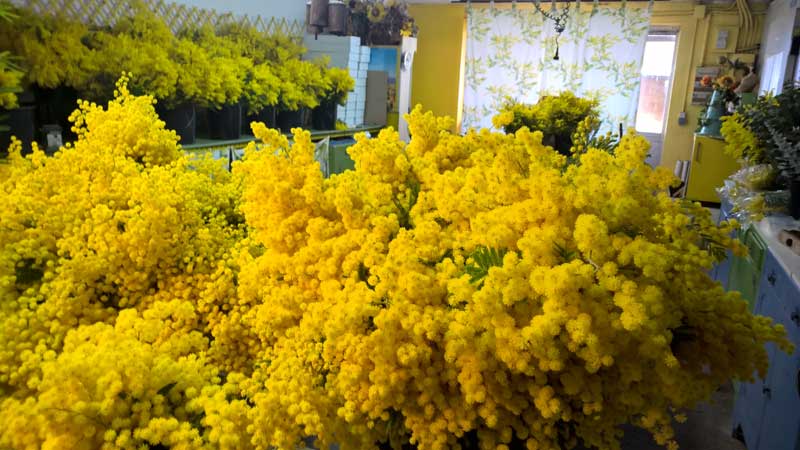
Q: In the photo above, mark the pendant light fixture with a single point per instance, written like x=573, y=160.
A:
x=559, y=19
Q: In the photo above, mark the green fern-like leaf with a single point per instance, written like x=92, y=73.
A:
x=787, y=154
x=484, y=258
x=562, y=252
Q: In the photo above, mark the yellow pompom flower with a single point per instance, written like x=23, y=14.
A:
x=450, y=291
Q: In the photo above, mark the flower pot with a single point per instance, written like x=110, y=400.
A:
x=182, y=119
x=22, y=125
x=794, y=200
x=323, y=117
x=562, y=143
x=287, y=120
x=54, y=106
x=318, y=14
x=266, y=115
x=226, y=122
x=337, y=17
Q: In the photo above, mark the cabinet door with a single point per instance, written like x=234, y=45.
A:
x=751, y=399
x=748, y=411
x=709, y=168
x=777, y=285
x=745, y=274
x=780, y=427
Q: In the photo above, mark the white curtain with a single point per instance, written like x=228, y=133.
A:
x=510, y=53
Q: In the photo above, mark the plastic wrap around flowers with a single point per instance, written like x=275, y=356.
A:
x=447, y=291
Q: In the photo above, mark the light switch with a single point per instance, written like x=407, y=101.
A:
x=722, y=39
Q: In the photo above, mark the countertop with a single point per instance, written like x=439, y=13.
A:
x=769, y=228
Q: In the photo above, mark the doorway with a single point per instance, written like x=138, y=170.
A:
x=658, y=68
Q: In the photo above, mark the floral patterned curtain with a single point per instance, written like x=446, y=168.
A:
x=510, y=53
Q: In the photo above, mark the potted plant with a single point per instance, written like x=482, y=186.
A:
x=54, y=59
x=143, y=46
x=225, y=119
x=301, y=86
x=261, y=91
x=278, y=83
x=10, y=85
x=778, y=126
x=16, y=119
x=556, y=116
x=261, y=47
x=341, y=83
x=198, y=85
x=230, y=68
x=787, y=159
x=767, y=132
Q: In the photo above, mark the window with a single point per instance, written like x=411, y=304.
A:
x=657, y=69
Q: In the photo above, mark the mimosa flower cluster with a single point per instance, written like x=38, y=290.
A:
x=450, y=291
x=482, y=287
x=107, y=248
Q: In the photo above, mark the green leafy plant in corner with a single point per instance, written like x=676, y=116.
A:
x=787, y=152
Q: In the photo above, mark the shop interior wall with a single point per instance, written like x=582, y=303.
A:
x=438, y=68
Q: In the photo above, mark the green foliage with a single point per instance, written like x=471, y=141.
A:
x=787, y=151
x=205, y=65
x=587, y=135
x=10, y=72
x=556, y=116
x=564, y=254
x=48, y=51
x=341, y=84
x=768, y=131
x=483, y=259
x=262, y=88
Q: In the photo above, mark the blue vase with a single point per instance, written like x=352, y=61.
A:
x=714, y=111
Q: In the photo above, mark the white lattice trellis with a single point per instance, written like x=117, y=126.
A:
x=108, y=12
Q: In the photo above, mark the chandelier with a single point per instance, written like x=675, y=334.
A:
x=559, y=19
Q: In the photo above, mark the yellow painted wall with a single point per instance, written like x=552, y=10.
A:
x=698, y=26
x=438, y=66
x=438, y=63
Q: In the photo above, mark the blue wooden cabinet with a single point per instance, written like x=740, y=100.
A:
x=767, y=412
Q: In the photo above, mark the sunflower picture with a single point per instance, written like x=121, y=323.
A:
x=376, y=12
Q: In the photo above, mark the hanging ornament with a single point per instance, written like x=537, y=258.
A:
x=559, y=20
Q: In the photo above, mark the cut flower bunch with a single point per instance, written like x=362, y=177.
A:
x=453, y=291
x=557, y=116
x=479, y=287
